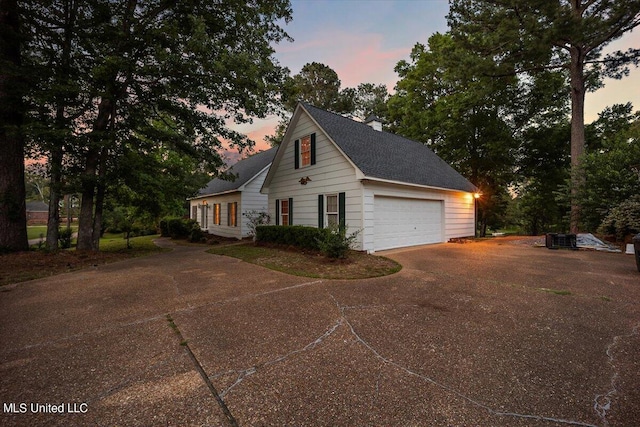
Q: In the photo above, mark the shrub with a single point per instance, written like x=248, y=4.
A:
x=164, y=227
x=64, y=237
x=177, y=228
x=196, y=235
x=295, y=235
x=335, y=243
x=623, y=219
x=256, y=218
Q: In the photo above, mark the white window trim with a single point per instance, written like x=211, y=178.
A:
x=326, y=208
x=300, y=163
x=282, y=222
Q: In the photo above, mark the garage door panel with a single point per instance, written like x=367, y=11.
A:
x=400, y=222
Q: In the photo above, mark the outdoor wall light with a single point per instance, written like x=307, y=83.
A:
x=476, y=195
x=303, y=181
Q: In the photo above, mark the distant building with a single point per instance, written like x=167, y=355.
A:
x=37, y=213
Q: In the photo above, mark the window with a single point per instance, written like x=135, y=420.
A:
x=284, y=212
x=232, y=214
x=194, y=212
x=305, y=151
x=331, y=213
x=331, y=210
x=216, y=214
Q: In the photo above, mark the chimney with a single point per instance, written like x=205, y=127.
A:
x=374, y=122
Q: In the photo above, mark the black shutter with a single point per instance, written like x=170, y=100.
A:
x=229, y=214
x=313, y=148
x=290, y=211
x=277, y=212
x=341, y=209
x=320, y=211
x=296, y=154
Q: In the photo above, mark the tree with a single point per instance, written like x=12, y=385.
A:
x=319, y=85
x=370, y=99
x=533, y=36
x=13, y=220
x=443, y=100
x=611, y=163
x=197, y=63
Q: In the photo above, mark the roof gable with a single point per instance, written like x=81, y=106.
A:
x=386, y=156
x=245, y=170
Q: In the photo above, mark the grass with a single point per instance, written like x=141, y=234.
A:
x=34, y=264
x=34, y=231
x=310, y=264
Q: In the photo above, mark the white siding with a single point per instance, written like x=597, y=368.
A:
x=331, y=174
x=252, y=200
x=223, y=229
x=458, y=209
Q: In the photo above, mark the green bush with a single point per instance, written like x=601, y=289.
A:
x=164, y=227
x=196, y=235
x=623, y=219
x=64, y=237
x=177, y=228
x=294, y=235
x=335, y=243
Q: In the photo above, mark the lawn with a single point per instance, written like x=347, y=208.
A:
x=34, y=231
x=310, y=264
x=33, y=264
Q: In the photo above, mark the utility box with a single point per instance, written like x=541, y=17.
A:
x=561, y=241
x=636, y=249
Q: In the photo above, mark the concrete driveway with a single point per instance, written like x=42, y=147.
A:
x=480, y=334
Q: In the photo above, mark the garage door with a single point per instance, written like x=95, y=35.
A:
x=400, y=222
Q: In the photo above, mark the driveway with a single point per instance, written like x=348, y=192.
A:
x=482, y=334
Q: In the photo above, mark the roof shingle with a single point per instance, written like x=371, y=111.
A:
x=244, y=169
x=387, y=156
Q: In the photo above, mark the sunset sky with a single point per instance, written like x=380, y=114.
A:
x=363, y=40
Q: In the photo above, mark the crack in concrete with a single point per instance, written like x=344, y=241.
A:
x=247, y=297
x=227, y=413
x=602, y=402
x=189, y=308
x=242, y=374
x=445, y=387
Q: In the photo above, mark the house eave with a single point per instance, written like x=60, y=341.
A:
x=409, y=184
x=204, y=196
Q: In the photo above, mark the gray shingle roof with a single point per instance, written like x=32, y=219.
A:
x=387, y=156
x=245, y=170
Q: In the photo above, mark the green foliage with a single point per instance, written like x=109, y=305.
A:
x=118, y=85
x=335, y=243
x=256, y=218
x=538, y=37
x=623, y=219
x=179, y=228
x=64, y=237
x=611, y=165
x=293, y=235
x=196, y=235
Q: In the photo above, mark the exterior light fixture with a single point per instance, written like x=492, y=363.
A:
x=304, y=180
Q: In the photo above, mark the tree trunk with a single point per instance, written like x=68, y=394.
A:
x=13, y=212
x=86, y=219
x=56, y=154
x=100, y=194
x=577, y=132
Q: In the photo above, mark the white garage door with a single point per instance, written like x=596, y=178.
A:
x=400, y=222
